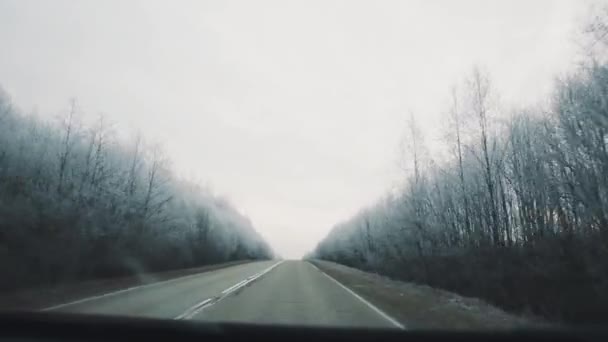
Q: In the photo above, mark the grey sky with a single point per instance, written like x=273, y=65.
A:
x=291, y=109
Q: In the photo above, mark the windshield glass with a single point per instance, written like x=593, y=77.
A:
x=395, y=164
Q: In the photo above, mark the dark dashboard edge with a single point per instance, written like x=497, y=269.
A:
x=64, y=326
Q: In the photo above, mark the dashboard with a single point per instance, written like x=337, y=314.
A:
x=44, y=326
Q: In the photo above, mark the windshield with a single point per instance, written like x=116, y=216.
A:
x=394, y=164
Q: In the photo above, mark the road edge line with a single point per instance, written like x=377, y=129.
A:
x=128, y=289
x=363, y=300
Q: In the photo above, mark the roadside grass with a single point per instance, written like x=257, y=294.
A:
x=423, y=307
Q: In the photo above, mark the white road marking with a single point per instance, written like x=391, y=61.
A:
x=110, y=294
x=249, y=279
x=370, y=305
x=234, y=286
x=196, y=309
x=193, y=310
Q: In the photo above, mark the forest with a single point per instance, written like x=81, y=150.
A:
x=515, y=212
x=77, y=203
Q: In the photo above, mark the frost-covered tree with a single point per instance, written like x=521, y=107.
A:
x=518, y=214
x=75, y=203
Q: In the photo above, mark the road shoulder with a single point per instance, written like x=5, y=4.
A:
x=422, y=307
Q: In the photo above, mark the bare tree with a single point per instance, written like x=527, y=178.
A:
x=70, y=128
x=457, y=120
x=135, y=166
x=480, y=97
x=156, y=192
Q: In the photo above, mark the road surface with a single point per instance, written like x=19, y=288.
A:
x=268, y=292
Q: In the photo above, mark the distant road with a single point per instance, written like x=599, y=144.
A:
x=274, y=292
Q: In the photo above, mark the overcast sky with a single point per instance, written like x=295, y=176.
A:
x=291, y=109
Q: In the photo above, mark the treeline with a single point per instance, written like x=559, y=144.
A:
x=77, y=204
x=518, y=212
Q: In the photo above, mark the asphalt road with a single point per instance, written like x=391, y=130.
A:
x=268, y=292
